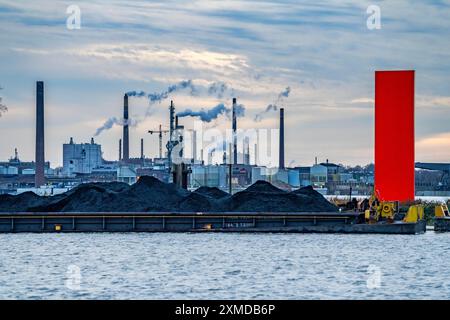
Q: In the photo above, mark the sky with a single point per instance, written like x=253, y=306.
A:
x=322, y=50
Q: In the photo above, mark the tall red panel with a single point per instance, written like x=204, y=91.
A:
x=394, y=135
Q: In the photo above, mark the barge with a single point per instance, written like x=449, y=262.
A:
x=442, y=224
x=293, y=222
x=441, y=218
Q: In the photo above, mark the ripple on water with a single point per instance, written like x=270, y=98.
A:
x=224, y=266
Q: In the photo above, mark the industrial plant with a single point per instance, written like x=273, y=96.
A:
x=251, y=197
x=83, y=163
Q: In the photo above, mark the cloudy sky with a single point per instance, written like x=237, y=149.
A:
x=322, y=50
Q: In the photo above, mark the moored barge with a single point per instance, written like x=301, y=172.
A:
x=293, y=222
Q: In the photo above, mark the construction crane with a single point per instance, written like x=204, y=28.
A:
x=160, y=132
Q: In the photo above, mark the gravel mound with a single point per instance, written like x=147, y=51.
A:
x=151, y=195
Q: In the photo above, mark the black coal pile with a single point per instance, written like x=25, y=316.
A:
x=264, y=197
x=20, y=203
x=212, y=192
x=151, y=195
x=318, y=200
x=195, y=202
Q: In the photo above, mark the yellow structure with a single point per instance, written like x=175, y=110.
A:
x=441, y=211
x=379, y=210
x=386, y=210
x=414, y=214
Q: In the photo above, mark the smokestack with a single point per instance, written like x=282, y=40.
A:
x=281, y=150
x=126, y=138
x=247, y=153
x=256, y=154
x=142, y=149
x=120, y=149
x=194, y=145
x=171, y=119
x=171, y=132
x=210, y=157
x=40, y=153
x=234, y=127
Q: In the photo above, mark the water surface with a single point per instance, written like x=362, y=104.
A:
x=224, y=266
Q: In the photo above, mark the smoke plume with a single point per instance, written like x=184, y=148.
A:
x=157, y=97
x=136, y=94
x=207, y=115
x=3, y=108
x=216, y=89
x=274, y=106
x=115, y=121
x=219, y=89
x=284, y=94
x=240, y=110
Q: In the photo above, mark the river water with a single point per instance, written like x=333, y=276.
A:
x=224, y=266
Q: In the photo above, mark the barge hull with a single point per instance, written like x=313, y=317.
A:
x=199, y=222
x=442, y=224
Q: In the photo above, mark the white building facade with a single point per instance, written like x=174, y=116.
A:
x=81, y=157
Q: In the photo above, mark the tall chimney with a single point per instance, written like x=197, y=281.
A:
x=194, y=145
x=210, y=157
x=142, y=149
x=281, y=150
x=171, y=133
x=247, y=153
x=171, y=120
x=40, y=153
x=234, y=127
x=126, y=138
x=120, y=149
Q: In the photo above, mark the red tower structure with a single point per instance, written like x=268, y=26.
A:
x=394, y=135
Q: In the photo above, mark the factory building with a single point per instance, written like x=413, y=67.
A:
x=81, y=158
x=324, y=173
x=210, y=176
x=14, y=166
x=8, y=170
x=126, y=174
x=272, y=175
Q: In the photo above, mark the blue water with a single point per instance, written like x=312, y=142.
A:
x=224, y=266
